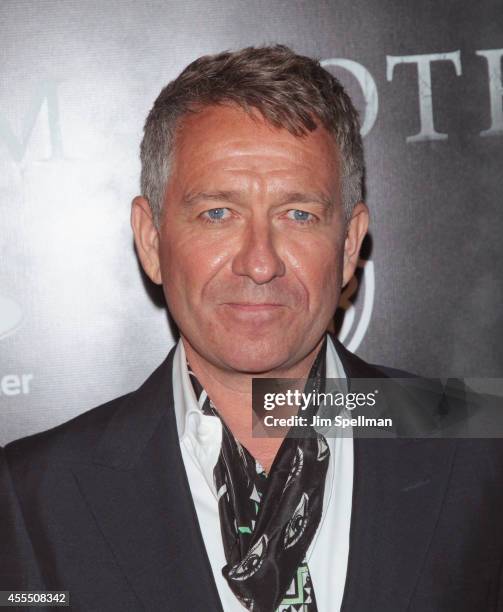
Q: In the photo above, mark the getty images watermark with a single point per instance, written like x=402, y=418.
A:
x=300, y=402
x=407, y=407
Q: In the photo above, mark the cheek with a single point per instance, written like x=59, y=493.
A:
x=188, y=264
x=176, y=268
x=318, y=266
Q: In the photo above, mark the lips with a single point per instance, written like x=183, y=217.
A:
x=253, y=311
x=253, y=306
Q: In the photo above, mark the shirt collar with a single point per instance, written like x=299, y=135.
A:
x=187, y=410
x=188, y=413
x=201, y=434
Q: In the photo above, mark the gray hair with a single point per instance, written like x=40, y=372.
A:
x=289, y=90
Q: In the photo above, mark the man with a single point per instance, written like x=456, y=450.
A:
x=251, y=217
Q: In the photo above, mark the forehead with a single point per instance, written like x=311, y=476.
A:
x=225, y=139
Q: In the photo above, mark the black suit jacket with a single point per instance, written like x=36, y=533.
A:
x=100, y=506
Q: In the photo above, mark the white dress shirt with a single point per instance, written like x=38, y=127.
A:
x=200, y=441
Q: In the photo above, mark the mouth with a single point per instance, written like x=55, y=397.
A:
x=255, y=313
x=253, y=306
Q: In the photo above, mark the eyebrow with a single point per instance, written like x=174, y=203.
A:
x=291, y=197
x=191, y=199
x=301, y=197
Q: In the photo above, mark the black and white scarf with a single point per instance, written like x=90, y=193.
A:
x=268, y=521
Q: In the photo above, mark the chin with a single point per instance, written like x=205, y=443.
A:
x=254, y=358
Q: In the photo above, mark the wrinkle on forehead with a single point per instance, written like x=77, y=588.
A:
x=223, y=148
x=223, y=130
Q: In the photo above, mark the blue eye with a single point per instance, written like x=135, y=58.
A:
x=215, y=214
x=301, y=215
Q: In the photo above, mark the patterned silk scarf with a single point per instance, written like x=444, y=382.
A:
x=268, y=521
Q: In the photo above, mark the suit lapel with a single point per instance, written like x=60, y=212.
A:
x=138, y=493
x=398, y=490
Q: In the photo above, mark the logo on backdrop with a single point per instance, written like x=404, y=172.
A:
x=422, y=64
x=11, y=316
x=45, y=96
x=355, y=306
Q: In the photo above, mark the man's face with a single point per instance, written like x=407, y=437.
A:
x=250, y=248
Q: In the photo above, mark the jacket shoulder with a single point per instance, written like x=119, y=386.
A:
x=125, y=423
x=71, y=441
x=392, y=372
x=356, y=367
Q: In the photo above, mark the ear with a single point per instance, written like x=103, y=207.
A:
x=146, y=238
x=355, y=233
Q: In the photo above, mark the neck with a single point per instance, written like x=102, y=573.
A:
x=231, y=392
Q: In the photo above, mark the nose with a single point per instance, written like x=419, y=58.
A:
x=258, y=257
